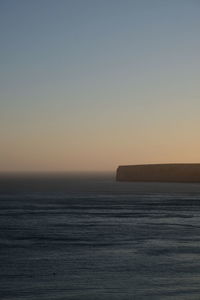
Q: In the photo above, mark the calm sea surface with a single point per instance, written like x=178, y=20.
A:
x=89, y=237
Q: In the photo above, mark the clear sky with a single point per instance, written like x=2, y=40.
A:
x=89, y=84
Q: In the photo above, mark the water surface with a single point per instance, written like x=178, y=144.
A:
x=89, y=237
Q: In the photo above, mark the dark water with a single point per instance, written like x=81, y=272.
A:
x=89, y=237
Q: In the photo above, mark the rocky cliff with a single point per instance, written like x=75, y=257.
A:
x=160, y=173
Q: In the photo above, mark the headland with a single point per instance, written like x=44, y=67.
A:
x=186, y=172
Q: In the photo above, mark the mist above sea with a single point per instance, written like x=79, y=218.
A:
x=84, y=182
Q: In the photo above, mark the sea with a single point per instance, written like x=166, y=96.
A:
x=88, y=237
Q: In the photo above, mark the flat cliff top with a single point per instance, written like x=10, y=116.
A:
x=166, y=164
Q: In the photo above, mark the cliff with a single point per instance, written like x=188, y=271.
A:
x=159, y=173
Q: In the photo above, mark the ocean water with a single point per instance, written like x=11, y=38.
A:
x=89, y=237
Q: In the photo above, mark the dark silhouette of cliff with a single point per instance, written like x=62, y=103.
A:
x=160, y=173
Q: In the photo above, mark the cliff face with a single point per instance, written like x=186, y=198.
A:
x=160, y=173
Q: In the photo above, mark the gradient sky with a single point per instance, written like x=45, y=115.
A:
x=89, y=84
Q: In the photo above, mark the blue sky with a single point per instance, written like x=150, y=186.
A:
x=88, y=85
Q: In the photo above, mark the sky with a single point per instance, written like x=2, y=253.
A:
x=87, y=85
